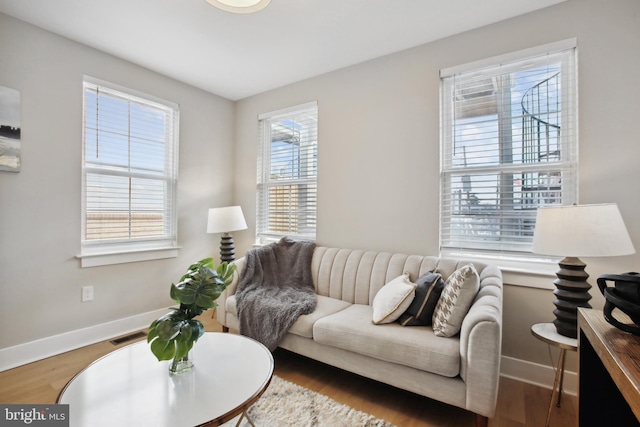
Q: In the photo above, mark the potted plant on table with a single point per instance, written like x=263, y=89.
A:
x=172, y=336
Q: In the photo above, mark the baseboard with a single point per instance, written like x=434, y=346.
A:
x=32, y=351
x=534, y=373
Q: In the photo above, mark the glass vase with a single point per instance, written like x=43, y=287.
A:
x=181, y=365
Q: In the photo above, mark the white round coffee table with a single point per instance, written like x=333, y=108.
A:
x=129, y=387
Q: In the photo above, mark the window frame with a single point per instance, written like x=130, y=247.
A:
x=510, y=260
x=132, y=249
x=264, y=233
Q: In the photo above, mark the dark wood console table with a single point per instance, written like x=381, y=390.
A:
x=609, y=366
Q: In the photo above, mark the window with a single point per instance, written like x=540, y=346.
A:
x=130, y=165
x=287, y=174
x=508, y=146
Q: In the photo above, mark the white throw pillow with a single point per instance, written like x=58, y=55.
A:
x=393, y=299
x=457, y=296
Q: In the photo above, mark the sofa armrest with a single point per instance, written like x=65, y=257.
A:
x=221, y=311
x=481, y=344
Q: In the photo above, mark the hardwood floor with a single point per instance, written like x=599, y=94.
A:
x=519, y=404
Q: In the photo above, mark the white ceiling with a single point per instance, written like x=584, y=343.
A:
x=236, y=56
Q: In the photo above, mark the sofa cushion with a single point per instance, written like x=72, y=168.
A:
x=393, y=299
x=324, y=307
x=457, y=296
x=304, y=325
x=351, y=329
x=428, y=289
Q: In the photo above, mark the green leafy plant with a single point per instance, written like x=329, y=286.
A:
x=173, y=335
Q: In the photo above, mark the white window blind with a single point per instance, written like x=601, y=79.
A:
x=130, y=144
x=509, y=146
x=287, y=174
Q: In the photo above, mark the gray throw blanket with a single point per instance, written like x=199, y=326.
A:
x=275, y=289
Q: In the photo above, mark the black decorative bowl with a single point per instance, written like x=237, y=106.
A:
x=625, y=296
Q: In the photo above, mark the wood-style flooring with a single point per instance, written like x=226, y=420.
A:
x=519, y=404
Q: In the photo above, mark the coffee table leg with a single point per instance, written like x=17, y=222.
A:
x=245, y=414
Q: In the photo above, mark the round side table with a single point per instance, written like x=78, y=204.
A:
x=546, y=332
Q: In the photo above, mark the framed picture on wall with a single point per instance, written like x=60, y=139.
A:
x=10, y=145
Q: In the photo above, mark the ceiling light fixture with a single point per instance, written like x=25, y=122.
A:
x=240, y=6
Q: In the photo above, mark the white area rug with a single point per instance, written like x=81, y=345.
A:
x=286, y=404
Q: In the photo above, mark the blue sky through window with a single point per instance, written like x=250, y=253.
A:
x=285, y=149
x=477, y=138
x=122, y=138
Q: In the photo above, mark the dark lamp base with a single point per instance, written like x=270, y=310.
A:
x=227, y=248
x=572, y=291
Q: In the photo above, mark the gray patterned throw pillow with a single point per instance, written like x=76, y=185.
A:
x=457, y=296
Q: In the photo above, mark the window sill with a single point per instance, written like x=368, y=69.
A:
x=517, y=271
x=122, y=257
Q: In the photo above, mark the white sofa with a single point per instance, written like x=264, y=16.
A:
x=462, y=370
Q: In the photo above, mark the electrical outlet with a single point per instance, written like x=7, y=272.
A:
x=87, y=293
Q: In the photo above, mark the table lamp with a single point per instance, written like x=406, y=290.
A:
x=225, y=220
x=572, y=232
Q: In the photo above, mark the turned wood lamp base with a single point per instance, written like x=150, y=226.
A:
x=227, y=248
x=572, y=291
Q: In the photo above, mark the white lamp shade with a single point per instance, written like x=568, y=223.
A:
x=581, y=231
x=224, y=220
x=240, y=6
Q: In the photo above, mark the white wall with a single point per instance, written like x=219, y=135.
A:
x=379, y=143
x=40, y=278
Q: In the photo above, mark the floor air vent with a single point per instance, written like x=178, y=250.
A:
x=130, y=337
